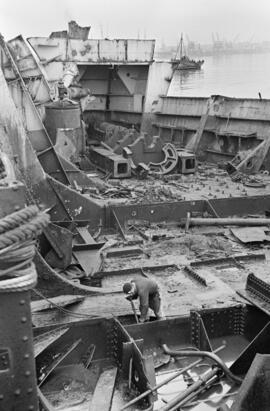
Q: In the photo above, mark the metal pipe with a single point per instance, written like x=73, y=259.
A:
x=161, y=384
x=211, y=399
x=170, y=378
x=196, y=221
x=88, y=361
x=191, y=391
x=134, y=311
x=206, y=380
x=210, y=355
x=130, y=373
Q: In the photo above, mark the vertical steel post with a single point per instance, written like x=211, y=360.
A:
x=17, y=364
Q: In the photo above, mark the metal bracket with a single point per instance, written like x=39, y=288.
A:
x=194, y=275
x=258, y=287
x=199, y=336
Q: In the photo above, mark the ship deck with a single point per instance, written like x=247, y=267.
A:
x=202, y=267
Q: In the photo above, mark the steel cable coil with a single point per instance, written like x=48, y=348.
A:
x=18, y=233
x=25, y=279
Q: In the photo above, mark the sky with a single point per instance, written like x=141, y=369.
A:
x=163, y=20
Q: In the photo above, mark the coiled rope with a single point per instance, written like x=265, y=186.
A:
x=18, y=234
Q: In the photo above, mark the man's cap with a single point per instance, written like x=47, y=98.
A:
x=127, y=287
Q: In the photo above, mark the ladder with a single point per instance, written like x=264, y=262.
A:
x=39, y=137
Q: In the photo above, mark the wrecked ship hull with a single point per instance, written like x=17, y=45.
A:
x=132, y=358
x=81, y=206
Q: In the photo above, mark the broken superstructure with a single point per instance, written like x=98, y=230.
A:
x=89, y=131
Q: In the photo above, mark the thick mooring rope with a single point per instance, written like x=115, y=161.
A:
x=19, y=217
x=18, y=233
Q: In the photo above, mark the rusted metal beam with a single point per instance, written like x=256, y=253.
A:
x=49, y=369
x=91, y=355
x=252, y=161
x=166, y=381
x=103, y=393
x=233, y=259
x=119, y=225
x=88, y=256
x=199, y=335
x=125, y=271
x=140, y=232
x=212, y=208
x=110, y=162
x=175, y=211
x=192, y=273
x=123, y=252
x=194, y=142
x=43, y=341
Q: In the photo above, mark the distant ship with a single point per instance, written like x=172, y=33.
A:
x=184, y=62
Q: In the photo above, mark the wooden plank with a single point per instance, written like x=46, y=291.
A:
x=61, y=301
x=102, y=398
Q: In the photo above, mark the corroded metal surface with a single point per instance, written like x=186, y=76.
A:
x=108, y=161
x=93, y=51
x=250, y=397
x=71, y=207
x=17, y=376
x=258, y=287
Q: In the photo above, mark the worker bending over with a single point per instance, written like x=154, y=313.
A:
x=148, y=292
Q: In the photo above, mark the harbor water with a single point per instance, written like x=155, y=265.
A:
x=235, y=75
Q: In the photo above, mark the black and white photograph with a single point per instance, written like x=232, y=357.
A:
x=134, y=205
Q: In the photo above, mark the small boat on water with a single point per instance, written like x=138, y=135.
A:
x=184, y=62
